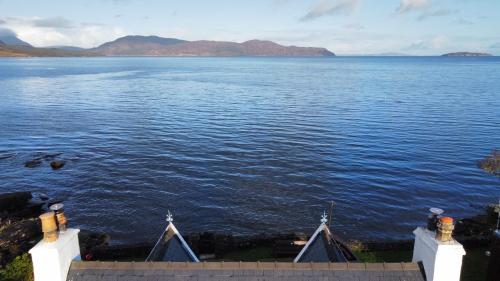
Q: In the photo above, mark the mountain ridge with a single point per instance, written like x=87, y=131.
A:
x=138, y=45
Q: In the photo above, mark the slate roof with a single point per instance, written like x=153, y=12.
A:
x=324, y=247
x=172, y=247
x=243, y=271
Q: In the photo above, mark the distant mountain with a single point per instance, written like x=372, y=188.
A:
x=28, y=51
x=12, y=40
x=5, y=51
x=467, y=54
x=158, y=46
x=134, y=45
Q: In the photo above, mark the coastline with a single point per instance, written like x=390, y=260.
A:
x=20, y=230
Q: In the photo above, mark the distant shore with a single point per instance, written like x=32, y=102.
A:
x=467, y=54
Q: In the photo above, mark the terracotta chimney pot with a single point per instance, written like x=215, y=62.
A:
x=445, y=229
x=49, y=227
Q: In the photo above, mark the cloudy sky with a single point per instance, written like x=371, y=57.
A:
x=418, y=27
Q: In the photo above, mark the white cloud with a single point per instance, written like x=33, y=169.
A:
x=411, y=5
x=328, y=8
x=55, y=22
x=42, y=32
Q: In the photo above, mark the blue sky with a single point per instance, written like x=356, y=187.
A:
x=419, y=27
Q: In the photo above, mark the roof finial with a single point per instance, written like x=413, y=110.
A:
x=170, y=218
x=324, y=218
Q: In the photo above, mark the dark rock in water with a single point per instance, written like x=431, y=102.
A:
x=33, y=163
x=491, y=163
x=18, y=206
x=56, y=165
x=14, y=201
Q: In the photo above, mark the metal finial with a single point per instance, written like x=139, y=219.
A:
x=170, y=218
x=324, y=218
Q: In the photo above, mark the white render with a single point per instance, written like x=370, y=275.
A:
x=51, y=261
x=442, y=261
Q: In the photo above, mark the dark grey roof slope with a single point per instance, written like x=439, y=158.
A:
x=172, y=247
x=247, y=271
x=324, y=247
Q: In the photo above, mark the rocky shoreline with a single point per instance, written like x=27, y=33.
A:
x=20, y=230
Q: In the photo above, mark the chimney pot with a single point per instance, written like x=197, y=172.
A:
x=61, y=221
x=445, y=229
x=61, y=218
x=49, y=227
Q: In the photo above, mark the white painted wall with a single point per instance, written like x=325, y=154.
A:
x=442, y=260
x=51, y=261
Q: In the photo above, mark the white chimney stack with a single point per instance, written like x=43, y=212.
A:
x=442, y=261
x=51, y=260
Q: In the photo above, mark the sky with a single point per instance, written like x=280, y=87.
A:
x=346, y=27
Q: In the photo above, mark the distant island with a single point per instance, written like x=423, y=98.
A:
x=467, y=54
x=159, y=46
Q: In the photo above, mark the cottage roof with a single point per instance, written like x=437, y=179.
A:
x=171, y=246
x=242, y=271
x=323, y=247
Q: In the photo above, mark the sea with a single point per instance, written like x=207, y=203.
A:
x=250, y=146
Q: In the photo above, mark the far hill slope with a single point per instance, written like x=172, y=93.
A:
x=27, y=51
x=5, y=51
x=158, y=46
x=135, y=45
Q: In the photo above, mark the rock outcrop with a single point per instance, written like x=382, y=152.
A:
x=19, y=224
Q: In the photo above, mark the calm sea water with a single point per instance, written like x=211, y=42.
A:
x=252, y=145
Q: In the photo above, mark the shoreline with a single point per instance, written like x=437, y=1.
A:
x=20, y=230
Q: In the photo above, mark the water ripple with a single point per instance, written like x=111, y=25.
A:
x=254, y=145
